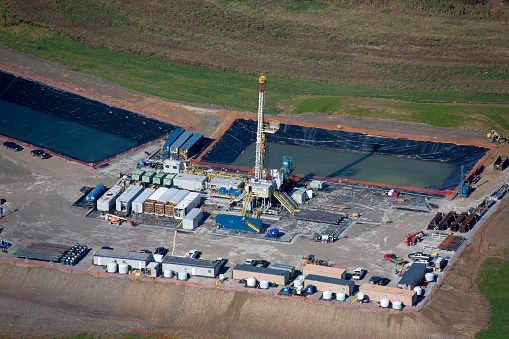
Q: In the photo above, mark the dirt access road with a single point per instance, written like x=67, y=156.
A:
x=40, y=301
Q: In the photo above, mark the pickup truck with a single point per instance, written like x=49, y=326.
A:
x=419, y=255
x=394, y=258
x=358, y=274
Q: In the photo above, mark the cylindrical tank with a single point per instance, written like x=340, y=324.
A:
x=123, y=268
x=274, y=233
x=384, y=302
x=95, y=193
x=168, y=273
x=220, y=277
x=310, y=289
x=111, y=267
x=341, y=296
x=327, y=295
x=264, y=284
x=298, y=283
x=418, y=290
x=360, y=296
x=429, y=276
x=397, y=305
x=251, y=282
x=182, y=276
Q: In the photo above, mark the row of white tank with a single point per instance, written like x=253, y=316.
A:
x=123, y=268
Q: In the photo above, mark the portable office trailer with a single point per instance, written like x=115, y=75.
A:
x=171, y=139
x=190, y=182
x=192, y=219
x=158, y=179
x=134, y=259
x=137, y=205
x=147, y=177
x=170, y=205
x=175, y=147
x=168, y=179
x=138, y=174
x=199, y=267
x=279, y=277
x=159, y=205
x=190, y=201
x=324, y=271
x=107, y=201
x=330, y=284
x=413, y=276
x=173, y=166
x=125, y=200
x=377, y=292
x=149, y=205
x=191, y=146
x=154, y=269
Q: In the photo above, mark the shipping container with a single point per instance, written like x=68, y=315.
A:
x=171, y=139
x=137, y=205
x=138, y=174
x=95, y=193
x=159, y=205
x=168, y=180
x=149, y=205
x=107, y=201
x=158, y=179
x=175, y=147
x=125, y=200
x=190, y=182
x=191, y=146
x=192, y=219
x=147, y=177
x=170, y=205
x=190, y=201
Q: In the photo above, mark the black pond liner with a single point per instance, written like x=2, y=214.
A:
x=95, y=114
x=242, y=133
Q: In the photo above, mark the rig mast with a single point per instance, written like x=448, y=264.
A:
x=260, y=136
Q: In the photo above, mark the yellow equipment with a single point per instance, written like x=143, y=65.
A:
x=493, y=136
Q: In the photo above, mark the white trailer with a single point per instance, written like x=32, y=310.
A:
x=192, y=200
x=125, y=200
x=192, y=219
x=137, y=204
x=107, y=200
x=191, y=182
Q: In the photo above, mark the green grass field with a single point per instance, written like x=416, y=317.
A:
x=237, y=90
x=493, y=282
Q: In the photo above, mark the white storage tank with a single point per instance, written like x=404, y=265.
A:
x=397, y=305
x=264, y=284
x=111, y=267
x=418, y=290
x=182, y=276
x=251, y=282
x=123, y=268
x=384, y=302
x=168, y=273
x=298, y=283
x=429, y=277
x=341, y=296
x=107, y=200
x=327, y=295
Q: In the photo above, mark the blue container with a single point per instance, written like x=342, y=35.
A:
x=191, y=146
x=310, y=289
x=286, y=290
x=171, y=139
x=95, y=193
x=274, y=233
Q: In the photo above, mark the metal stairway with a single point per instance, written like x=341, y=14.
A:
x=286, y=200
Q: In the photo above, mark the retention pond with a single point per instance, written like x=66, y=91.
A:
x=328, y=153
x=71, y=125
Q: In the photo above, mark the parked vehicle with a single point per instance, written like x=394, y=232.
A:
x=250, y=262
x=419, y=255
x=374, y=280
x=262, y=263
x=221, y=260
x=358, y=274
x=192, y=254
x=40, y=153
x=394, y=258
x=383, y=281
x=12, y=145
